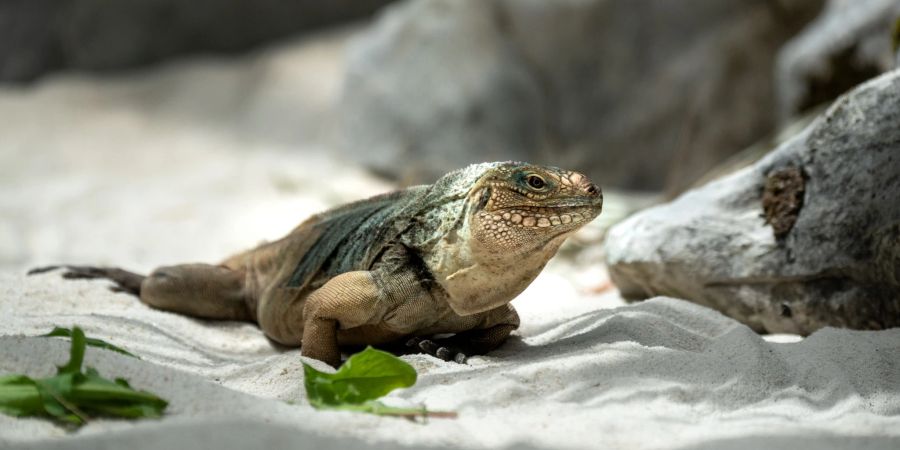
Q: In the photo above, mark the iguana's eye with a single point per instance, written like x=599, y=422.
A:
x=535, y=182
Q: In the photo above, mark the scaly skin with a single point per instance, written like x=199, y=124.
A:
x=401, y=267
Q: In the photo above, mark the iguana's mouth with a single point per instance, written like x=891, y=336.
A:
x=580, y=205
x=576, y=206
x=584, y=209
x=566, y=204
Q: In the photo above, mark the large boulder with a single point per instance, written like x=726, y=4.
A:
x=849, y=43
x=40, y=36
x=807, y=237
x=638, y=93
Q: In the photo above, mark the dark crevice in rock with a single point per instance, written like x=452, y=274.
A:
x=786, y=310
x=782, y=199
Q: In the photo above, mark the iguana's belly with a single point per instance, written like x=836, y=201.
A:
x=389, y=332
x=429, y=314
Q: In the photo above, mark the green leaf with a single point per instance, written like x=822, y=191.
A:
x=93, y=342
x=19, y=396
x=97, y=390
x=72, y=396
x=366, y=376
x=53, y=392
x=137, y=411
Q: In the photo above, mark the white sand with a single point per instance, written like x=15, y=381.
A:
x=660, y=374
x=181, y=165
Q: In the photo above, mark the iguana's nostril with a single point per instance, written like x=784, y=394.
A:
x=592, y=189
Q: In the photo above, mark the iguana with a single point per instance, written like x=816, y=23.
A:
x=445, y=258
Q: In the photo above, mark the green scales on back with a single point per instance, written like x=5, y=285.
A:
x=353, y=237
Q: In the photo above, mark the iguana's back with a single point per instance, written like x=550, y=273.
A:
x=353, y=236
x=347, y=238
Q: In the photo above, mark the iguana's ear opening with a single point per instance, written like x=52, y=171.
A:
x=483, y=199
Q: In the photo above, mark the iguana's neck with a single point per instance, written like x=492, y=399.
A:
x=477, y=279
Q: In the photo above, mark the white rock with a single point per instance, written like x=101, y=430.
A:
x=840, y=263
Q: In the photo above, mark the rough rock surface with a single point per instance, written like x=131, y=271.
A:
x=850, y=42
x=837, y=264
x=39, y=36
x=619, y=88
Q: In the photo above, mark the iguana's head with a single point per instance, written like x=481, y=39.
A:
x=493, y=227
x=517, y=207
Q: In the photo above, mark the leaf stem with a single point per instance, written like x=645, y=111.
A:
x=66, y=404
x=77, y=352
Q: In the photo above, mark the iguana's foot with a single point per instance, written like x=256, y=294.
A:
x=125, y=281
x=438, y=348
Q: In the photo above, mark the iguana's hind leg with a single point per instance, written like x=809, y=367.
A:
x=199, y=290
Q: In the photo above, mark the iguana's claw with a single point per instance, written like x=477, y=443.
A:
x=433, y=348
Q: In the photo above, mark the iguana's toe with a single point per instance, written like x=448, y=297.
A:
x=450, y=354
x=434, y=348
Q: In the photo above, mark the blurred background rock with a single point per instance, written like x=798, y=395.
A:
x=640, y=94
x=42, y=36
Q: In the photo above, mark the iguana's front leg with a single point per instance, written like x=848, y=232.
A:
x=346, y=301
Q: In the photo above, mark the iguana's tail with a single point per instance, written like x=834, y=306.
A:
x=124, y=281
